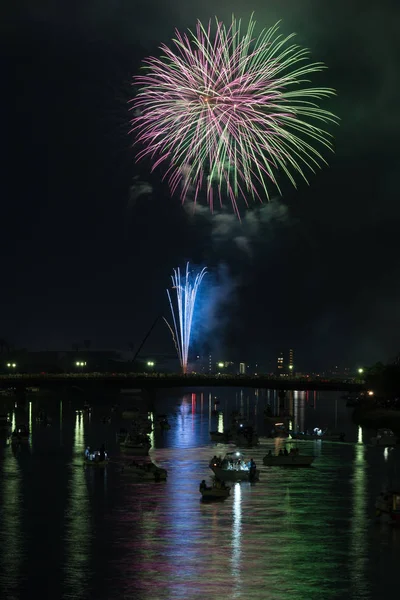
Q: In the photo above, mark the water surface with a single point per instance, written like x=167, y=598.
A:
x=71, y=532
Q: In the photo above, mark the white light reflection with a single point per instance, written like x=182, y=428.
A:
x=78, y=526
x=360, y=435
x=151, y=435
x=221, y=422
x=359, y=520
x=237, y=540
x=209, y=411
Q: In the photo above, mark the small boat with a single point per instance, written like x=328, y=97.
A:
x=218, y=490
x=146, y=471
x=92, y=459
x=318, y=434
x=388, y=503
x=245, y=436
x=234, y=467
x=385, y=437
x=292, y=459
x=137, y=445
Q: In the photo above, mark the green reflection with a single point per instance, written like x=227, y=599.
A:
x=359, y=520
x=221, y=422
x=78, y=519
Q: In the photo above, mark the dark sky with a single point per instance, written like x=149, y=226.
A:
x=84, y=256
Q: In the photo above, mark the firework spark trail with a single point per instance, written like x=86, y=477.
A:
x=186, y=292
x=227, y=110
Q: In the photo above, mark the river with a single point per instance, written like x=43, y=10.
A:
x=69, y=532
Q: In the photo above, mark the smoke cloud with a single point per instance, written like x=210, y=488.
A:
x=256, y=226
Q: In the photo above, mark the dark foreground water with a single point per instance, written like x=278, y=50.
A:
x=71, y=532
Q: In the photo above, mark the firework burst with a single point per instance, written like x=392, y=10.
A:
x=186, y=289
x=226, y=111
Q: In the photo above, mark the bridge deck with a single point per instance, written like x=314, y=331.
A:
x=154, y=381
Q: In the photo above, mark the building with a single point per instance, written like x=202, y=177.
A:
x=279, y=364
x=291, y=360
x=242, y=368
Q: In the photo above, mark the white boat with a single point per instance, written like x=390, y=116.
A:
x=318, y=434
x=293, y=459
x=234, y=467
x=217, y=491
x=385, y=437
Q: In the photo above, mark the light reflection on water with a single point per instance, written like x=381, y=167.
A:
x=77, y=520
x=295, y=535
x=11, y=546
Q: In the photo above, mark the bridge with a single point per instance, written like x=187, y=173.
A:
x=154, y=381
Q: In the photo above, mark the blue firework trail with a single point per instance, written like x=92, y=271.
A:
x=186, y=289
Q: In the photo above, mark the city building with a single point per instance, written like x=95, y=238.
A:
x=242, y=368
x=291, y=360
x=279, y=364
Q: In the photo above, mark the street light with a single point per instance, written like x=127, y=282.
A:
x=360, y=370
x=150, y=363
x=80, y=363
x=221, y=365
x=11, y=365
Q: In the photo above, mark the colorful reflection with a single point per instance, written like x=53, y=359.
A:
x=236, y=540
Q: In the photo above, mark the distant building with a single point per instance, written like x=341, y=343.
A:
x=279, y=364
x=242, y=368
x=291, y=360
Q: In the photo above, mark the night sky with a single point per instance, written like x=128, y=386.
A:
x=89, y=239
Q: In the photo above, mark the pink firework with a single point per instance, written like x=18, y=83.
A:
x=225, y=112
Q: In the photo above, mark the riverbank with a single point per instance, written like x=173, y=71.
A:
x=371, y=417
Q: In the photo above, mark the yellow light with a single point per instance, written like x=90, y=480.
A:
x=220, y=364
x=370, y=393
x=360, y=370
